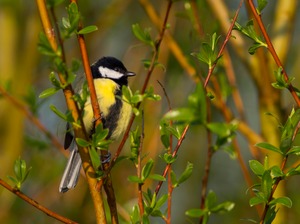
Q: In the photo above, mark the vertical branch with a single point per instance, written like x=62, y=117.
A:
x=170, y=185
x=210, y=150
x=210, y=153
x=228, y=36
x=108, y=185
x=149, y=72
x=72, y=106
x=139, y=171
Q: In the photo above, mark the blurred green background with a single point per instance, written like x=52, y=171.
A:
x=25, y=72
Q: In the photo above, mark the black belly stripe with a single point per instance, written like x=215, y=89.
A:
x=111, y=121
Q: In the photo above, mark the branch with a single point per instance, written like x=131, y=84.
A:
x=149, y=73
x=33, y=119
x=272, y=50
x=35, y=203
x=228, y=36
x=180, y=140
x=73, y=107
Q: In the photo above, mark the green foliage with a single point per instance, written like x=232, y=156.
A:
x=45, y=47
x=211, y=207
x=71, y=23
x=135, y=99
x=261, y=5
x=21, y=173
x=87, y=30
x=153, y=204
x=98, y=142
x=195, y=112
x=249, y=31
x=209, y=51
x=143, y=35
x=281, y=82
x=225, y=133
x=183, y=177
x=134, y=145
x=167, y=130
x=271, y=176
x=264, y=189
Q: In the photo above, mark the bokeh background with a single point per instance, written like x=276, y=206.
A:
x=24, y=71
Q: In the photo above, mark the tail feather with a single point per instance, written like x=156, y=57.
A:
x=71, y=173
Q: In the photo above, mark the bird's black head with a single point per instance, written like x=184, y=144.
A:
x=111, y=68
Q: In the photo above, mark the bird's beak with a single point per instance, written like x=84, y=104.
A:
x=128, y=74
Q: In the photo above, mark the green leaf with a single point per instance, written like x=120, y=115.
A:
x=276, y=172
x=147, y=169
x=261, y=5
x=135, y=215
x=255, y=201
x=44, y=46
x=294, y=150
x=256, y=167
x=174, y=179
x=88, y=29
x=196, y=212
x=82, y=142
x=58, y=113
x=183, y=114
x=153, y=200
x=250, y=32
x=226, y=206
x=221, y=129
x=254, y=47
x=21, y=172
x=186, y=173
x=285, y=201
x=266, y=184
x=268, y=146
x=161, y=201
x=48, y=92
x=211, y=200
x=135, y=179
x=271, y=214
x=142, y=35
x=168, y=158
x=208, y=53
x=293, y=171
x=157, y=177
x=95, y=158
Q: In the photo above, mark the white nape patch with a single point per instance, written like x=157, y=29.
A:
x=109, y=73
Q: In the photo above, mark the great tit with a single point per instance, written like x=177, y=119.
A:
x=109, y=76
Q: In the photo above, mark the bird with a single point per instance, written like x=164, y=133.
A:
x=109, y=76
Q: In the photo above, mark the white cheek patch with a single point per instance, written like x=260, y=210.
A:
x=109, y=73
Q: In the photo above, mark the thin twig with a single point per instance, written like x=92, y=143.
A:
x=180, y=140
x=170, y=185
x=146, y=82
x=34, y=203
x=228, y=36
x=139, y=170
x=210, y=153
x=273, y=51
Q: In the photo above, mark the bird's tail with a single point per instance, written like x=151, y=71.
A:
x=71, y=173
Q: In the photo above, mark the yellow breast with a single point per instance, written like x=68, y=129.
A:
x=105, y=89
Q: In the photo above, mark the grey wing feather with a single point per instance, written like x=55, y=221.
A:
x=71, y=173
